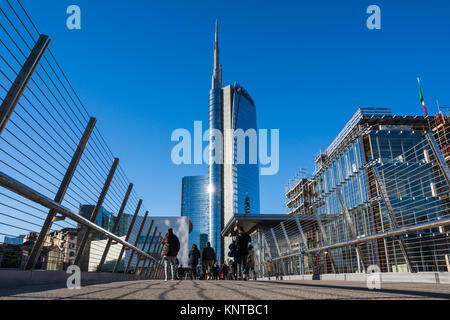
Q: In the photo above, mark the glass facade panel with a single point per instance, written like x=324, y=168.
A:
x=246, y=176
x=195, y=205
x=415, y=187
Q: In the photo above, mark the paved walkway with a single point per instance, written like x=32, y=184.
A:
x=231, y=290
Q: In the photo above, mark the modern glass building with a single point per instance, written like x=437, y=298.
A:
x=104, y=218
x=195, y=205
x=376, y=147
x=232, y=184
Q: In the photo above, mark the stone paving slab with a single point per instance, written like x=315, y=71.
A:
x=230, y=290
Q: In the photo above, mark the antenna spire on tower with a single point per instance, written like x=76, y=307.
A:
x=217, y=73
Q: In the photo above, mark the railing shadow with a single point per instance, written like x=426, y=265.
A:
x=434, y=295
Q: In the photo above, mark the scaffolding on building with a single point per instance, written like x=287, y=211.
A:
x=440, y=126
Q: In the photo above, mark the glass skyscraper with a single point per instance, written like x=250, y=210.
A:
x=195, y=205
x=230, y=187
x=231, y=184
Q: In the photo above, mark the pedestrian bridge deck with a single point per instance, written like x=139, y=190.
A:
x=230, y=290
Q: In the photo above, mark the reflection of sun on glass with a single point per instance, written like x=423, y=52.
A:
x=210, y=188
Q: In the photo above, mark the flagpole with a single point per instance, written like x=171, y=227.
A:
x=421, y=98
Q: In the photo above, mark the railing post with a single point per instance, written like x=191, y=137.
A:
x=161, y=266
x=157, y=269
x=15, y=92
x=288, y=242
x=154, y=272
x=130, y=229
x=136, y=242
x=152, y=263
x=286, y=236
x=352, y=228
x=304, y=241
x=260, y=254
x=439, y=158
x=143, y=246
x=116, y=226
x=390, y=210
x=87, y=232
x=324, y=236
x=51, y=216
x=145, y=269
x=278, y=249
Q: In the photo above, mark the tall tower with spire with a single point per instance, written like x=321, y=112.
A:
x=229, y=188
x=215, y=189
x=233, y=188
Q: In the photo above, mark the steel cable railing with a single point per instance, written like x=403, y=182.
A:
x=413, y=237
x=37, y=148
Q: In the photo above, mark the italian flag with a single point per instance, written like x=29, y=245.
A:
x=421, y=97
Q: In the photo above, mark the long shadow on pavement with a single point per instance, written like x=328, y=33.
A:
x=435, y=295
x=9, y=292
x=200, y=291
x=235, y=290
x=137, y=290
x=162, y=295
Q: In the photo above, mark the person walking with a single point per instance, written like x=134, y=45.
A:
x=251, y=261
x=171, y=246
x=208, y=259
x=224, y=271
x=233, y=254
x=215, y=271
x=194, y=255
x=242, y=241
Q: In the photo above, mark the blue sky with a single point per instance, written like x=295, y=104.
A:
x=143, y=68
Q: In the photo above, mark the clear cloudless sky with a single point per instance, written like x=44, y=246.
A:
x=143, y=68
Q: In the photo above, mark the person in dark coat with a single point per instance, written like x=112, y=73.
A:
x=194, y=255
x=215, y=271
x=224, y=271
x=233, y=254
x=208, y=259
x=242, y=242
x=171, y=246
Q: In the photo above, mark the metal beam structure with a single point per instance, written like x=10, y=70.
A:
x=51, y=216
x=154, y=270
x=391, y=214
x=32, y=195
x=286, y=235
x=161, y=272
x=266, y=244
x=439, y=158
x=144, y=245
x=278, y=249
x=148, y=251
x=387, y=234
x=283, y=228
x=23, y=78
x=87, y=233
x=136, y=242
x=130, y=229
x=302, y=234
x=304, y=241
x=352, y=228
x=324, y=236
x=151, y=263
x=116, y=226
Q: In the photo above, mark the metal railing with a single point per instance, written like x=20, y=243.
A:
x=403, y=227
x=64, y=198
